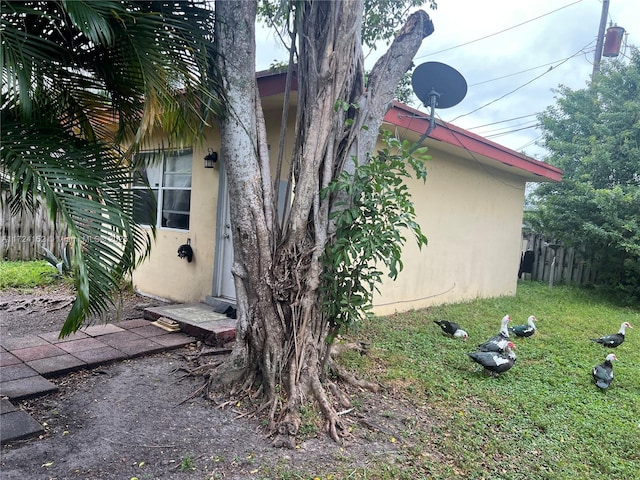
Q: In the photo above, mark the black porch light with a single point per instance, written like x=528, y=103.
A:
x=210, y=158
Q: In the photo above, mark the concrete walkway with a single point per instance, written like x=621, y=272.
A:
x=27, y=363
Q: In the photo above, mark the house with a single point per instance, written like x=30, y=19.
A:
x=470, y=209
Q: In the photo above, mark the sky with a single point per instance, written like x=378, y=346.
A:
x=512, y=54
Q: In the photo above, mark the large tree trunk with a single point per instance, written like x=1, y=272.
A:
x=281, y=345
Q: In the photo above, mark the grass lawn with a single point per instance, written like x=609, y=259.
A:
x=543, y=419
x=23, y=275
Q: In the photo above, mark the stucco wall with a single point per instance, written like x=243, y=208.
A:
x=164, y=274
x=472, y=216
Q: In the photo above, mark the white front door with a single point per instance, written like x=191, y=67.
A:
x=223, y=285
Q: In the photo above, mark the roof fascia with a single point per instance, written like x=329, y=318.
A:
x=403, y=116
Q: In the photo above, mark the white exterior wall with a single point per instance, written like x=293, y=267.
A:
x=472, y=217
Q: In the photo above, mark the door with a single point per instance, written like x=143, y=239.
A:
x=223, y=285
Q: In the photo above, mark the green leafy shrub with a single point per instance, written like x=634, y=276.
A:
x=370, y=231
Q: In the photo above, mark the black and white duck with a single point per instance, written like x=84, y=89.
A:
x=451, y=329
x=496, y=362
x=613, y=341
x=525, y=330
x=497, y=343
x=603, y=373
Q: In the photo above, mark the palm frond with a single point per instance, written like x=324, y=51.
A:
x=88, y=188
x=85, y=84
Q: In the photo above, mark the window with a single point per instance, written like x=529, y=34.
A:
x=164, y=180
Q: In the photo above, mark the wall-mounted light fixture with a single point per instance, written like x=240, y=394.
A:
x=210, y=158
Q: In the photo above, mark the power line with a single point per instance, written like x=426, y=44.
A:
x=509, y=128
x=475, y=159
x=517, y=73
x=512, y=131
x=523, y=85
x=502, y=121
x=501, y=31
x=530, y=142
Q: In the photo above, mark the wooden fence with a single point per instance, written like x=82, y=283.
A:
x=553, y=263
x=22, y=236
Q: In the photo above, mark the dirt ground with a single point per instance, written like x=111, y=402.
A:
x=134, y=420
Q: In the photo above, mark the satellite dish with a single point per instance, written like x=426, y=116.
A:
x=437, y=85
x=435, y=79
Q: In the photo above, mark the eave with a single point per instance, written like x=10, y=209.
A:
x=415, y=123
x=476, y=147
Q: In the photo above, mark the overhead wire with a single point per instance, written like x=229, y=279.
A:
x=495, y=135
x=502, y=121
x=501, y=31
x=552, y=66
x=530, y=142
x=509, y=128
x=523, y=85
x=516, y=73
x=475, y=159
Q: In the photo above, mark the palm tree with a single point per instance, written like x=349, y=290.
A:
x=84, y=84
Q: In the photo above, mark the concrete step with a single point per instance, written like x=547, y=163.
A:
x=199, y=320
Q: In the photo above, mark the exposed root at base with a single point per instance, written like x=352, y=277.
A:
x=283, y=409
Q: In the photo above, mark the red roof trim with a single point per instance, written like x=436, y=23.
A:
x=273, y=83
x=409, y=118
x=406, y=117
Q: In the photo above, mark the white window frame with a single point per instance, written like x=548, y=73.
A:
x=159, y=179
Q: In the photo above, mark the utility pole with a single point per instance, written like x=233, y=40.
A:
x=603, y=23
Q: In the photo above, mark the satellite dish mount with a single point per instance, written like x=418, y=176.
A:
x=437, y=85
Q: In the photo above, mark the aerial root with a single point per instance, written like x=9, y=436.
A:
x=206, y=352
x=350, y=379
x=342, y=397
x=200, y=370
x=194, y=394
x=286, y=434
x=333, y=420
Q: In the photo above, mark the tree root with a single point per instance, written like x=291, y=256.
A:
x=229, y=378
x=350, y=379
x=194, y=394
x=342, y=397
x=286, y=434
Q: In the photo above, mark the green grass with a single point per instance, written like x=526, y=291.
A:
x=24, y=275
x=543, y=419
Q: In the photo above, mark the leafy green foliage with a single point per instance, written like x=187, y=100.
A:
x=370, y=230
x=594, y=136
x=84, y=84
x=382, y=18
